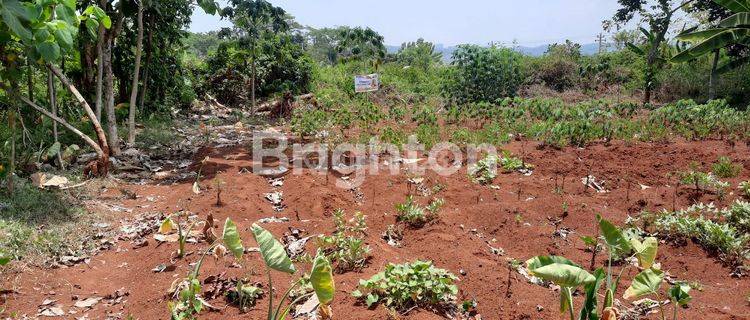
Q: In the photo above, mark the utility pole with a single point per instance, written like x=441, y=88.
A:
x=600, y=39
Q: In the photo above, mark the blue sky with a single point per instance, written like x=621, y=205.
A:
x=530, y=22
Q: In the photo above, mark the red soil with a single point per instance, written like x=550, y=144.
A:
x=451, y=243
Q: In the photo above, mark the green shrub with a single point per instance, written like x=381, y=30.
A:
x=483, y=74
x=724, y=239
x=417, y=216
x=402, y=286
x=346, y=247
x=724, y=168
x=744, y=188
x=702, y=181
x=738, y=216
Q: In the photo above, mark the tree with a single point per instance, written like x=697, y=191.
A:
x=732, y=29
x=30, y=27
x=420, y=54
x=483, y=74
x=253, y=19
x=658, y=15
x=136, y=74
x=361, y=44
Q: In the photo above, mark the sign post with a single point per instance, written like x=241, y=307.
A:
x=366, y=83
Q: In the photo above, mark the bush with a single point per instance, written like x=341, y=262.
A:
x=346, y=246
x=724, y=168
x=403, y=286
x=738, y=215
x=417, y=216
x=483, y=74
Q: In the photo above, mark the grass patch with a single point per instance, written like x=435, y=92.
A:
x=39, y=226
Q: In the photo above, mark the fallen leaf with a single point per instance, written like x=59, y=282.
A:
x=87, y=303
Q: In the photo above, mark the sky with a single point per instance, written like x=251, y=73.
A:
x=529, y=22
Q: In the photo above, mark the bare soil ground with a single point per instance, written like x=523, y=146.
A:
x=516, y=217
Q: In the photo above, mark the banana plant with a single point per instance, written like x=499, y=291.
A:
x=275, y=258
x=735, y=29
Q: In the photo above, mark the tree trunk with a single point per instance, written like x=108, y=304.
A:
x=252, y=81
x=136, y=73
x=30, y=78
x=109, y=98
x=99, y=73
x=102, y=148
x=712, y=79
x=149, y=55
x=12, y=162
x=53, y=106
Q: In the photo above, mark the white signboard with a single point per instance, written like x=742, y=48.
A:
x=366, y=83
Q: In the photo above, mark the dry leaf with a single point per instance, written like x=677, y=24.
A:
x=196, y=188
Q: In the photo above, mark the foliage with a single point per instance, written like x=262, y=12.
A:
x=724, y=168
x=419, y=54
x=744, y=188
x=417, y=216
x=738, y=216
x=346, y=247
x=485, y=170
x=702, y=181
x=483, y=74
x=723, y=239
x=416, y=284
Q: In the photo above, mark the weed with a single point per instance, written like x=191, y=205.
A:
x=417, y=216
x=724, y=168
x=403, y=286
x=244, y=295
x=346, y=246
x=744, y=188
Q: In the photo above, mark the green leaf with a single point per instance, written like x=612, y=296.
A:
x=613, y=236
x=734, y=5
x=541, y=261
x=321, y=278
x=70, y=4
x=645, y=283
x=680, y=293
x=4, y=258
x=371, y=299
x=635, y=49
x=231, y=238
x=64, y=38
x=92, y=26
x=272, y=251
x=564, y=275
x=53, y=150
x=717, y=41
x=733, y=64
x=66, y=14
x=741, y=19
x=645, y=251
x=13, y=14
x=50, y=51
x=589, y=309
x=106, y=22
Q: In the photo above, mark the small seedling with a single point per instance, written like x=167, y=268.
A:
x=724, y=168
x=417, y=216
x=346, y=247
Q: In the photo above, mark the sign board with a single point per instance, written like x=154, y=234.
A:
x=367, y=83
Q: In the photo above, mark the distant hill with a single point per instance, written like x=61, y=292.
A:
x=447, y=51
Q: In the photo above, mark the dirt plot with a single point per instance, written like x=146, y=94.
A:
x=478, y=229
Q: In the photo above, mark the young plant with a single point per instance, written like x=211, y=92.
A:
x=702, y=181
x=738, y=216
x=724, y=168
x=402, y=286
x=275, y=258
x=744, y=188
x=346, y=246
x=174, y=223
x=484, y=171
x=187, y=291
x=417, y=216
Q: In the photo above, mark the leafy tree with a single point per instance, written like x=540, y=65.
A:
x=483, y=74
x=253, y=20
x=361, y=44
x=322, y=44
x=658, y=15
x=420, y=54
x=45, y=31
